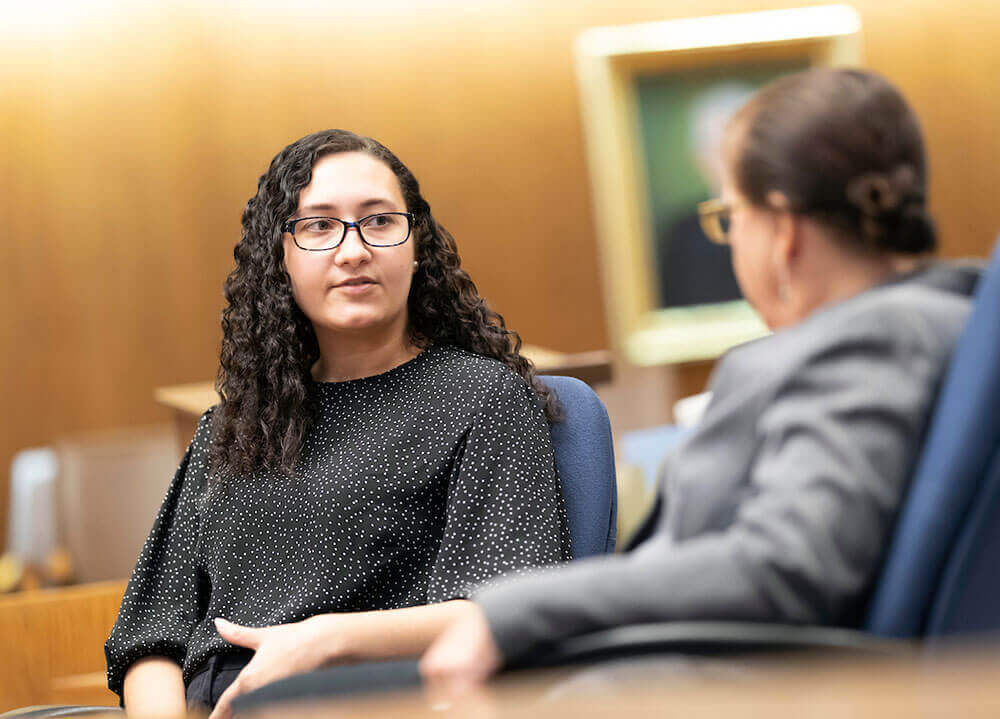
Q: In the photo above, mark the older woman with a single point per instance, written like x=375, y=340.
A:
x=779, y=506
x=381, y=447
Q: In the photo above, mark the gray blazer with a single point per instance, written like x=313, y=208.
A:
x=779, y=505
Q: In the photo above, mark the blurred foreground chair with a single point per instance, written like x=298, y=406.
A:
x=111, y=484
x=939, y=579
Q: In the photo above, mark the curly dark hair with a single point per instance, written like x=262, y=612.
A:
x=268, y=399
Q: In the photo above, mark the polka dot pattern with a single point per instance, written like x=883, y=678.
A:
x=415, y=486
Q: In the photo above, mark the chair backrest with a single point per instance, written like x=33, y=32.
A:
x=940, y=575
x=585, y=460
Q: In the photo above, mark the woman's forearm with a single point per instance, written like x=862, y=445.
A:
x=362, y=636
x=154, y=687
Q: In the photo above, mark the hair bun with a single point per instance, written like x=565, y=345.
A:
x=913, y=233
x=892, y=211
x=876, y=194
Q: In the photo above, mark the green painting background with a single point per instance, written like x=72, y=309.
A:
x=673, y=180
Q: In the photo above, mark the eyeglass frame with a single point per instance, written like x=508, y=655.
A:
x=710, y=213
x=289, y=227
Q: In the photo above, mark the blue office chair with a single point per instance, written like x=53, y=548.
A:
x=940, y=576
x=585, y=461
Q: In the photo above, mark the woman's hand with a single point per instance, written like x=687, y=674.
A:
x=464, y=655
x=279, y=651
x=287, y=649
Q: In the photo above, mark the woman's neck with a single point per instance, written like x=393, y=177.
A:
x=345, y=357
x=828, y=273
x=847, y=279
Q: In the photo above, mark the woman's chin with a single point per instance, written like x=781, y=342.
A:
x=354, y=324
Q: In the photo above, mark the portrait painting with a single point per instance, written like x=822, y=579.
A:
x=655, y=99
x=682, y=117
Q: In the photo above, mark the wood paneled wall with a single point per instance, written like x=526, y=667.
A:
x=134, y=135
x=52, y=645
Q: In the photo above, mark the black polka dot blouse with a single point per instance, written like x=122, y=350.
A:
x=416, y=485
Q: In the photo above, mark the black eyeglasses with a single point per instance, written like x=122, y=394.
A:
x=315, y=234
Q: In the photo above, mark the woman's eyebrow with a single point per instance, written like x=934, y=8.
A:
x=371, y=202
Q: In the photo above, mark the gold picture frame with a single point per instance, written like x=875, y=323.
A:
x=609, y=60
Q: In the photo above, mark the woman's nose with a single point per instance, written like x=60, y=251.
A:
x=352, y=250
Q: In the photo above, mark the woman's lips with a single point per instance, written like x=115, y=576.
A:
x=355, y=287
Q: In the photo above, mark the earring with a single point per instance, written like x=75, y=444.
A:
x=415, y=265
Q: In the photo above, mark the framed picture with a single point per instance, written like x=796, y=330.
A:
x=655, y=99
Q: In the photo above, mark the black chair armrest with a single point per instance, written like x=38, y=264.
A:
x=707, y=639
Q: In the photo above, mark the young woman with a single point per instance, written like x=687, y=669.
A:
x=779, y=506
x=380, y=448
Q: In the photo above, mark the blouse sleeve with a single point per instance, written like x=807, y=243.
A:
x=505, y=510
x=161, y=604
